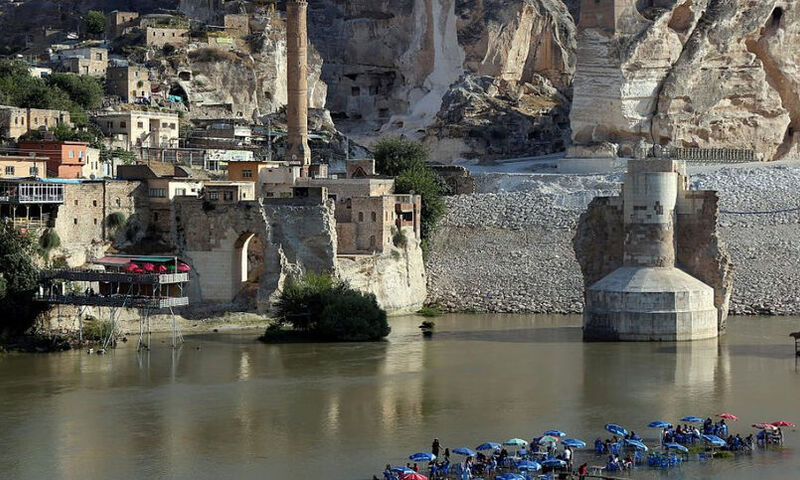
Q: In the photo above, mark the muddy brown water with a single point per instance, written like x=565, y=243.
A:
x=226, y=406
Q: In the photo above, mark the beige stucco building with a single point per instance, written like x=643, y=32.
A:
x=139, y=128
x=15, y=122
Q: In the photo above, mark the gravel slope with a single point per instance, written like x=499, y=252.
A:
x=511, y=251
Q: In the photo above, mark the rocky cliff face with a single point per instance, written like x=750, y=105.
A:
x=690, y=73
x=400, y=66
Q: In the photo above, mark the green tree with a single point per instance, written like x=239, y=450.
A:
x=20, y=279
x=424, y=182
x=95, y=22
x=84, y=90
x=393, y=155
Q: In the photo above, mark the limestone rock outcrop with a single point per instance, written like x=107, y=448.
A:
x=392, y=65
x=689, y=73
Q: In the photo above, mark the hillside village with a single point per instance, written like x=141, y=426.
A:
x=161, y=168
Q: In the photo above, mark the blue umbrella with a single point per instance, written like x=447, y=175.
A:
x=422, y=457
x=677, y=446
x=554, y=462
x=714, y=440
x=488, y=446
x=464, y=451
x=529, y=465
x=510, y=476
x=616, y=430
x=636, y=443
x=574, y=443
x=660, y=424
x=555, y=433
x=692, y=419
x=402, y=470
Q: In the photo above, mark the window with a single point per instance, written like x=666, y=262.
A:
x=247, y=173
x=76, y=203
x=9, y=170
x=122, y=124
x=94, y=203
x=140, y=124
x=95, y=221
x=213, y=196
x=372, y=241
x=157, y=193
x=172, y=126
x=164, y=125
x=360, y=216
x=118, y=201
x=374, y=217
x=33, y=171
x=180, y=192
x=71, y=154
x=109, y=125
x=74, y=221
x=80, y=154
x=227, y=196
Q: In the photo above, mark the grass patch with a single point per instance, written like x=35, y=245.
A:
x=429, y=312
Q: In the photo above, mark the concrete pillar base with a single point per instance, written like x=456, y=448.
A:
x=649, y=304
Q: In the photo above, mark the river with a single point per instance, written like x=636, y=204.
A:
x=226, y=406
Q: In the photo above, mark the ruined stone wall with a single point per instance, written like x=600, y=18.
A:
x=700, y=250
x=296, y=237
x=82, y=220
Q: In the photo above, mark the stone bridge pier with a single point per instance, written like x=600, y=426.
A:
x=295, y=235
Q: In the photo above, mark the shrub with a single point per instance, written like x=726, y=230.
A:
x=429, y=312
x=322, y=307
x=399, y=238
x=49, y=240
x=116, y=220
x=353, y=317
x=96, y=330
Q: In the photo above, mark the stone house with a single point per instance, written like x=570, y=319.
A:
x=15, y=122
x=119, y=23
x=128, y=82
x=160, y=36
x=90, y=61
x=66, y=159
x=228, y=192
x=140, y=128
x=77, y=210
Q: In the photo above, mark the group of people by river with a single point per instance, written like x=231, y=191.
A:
x=517, y=459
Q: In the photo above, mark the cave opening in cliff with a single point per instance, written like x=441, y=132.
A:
x=777, y=15
x=178, y=91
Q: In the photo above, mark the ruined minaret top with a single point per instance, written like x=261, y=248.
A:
x=297, y=84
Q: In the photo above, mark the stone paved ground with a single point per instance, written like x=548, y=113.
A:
x=511, y=251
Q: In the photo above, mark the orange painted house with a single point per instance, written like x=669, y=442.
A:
x=65, y=159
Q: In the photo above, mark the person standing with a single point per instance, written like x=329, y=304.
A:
x=435, y=447
x=568, y=457
x=583, y=470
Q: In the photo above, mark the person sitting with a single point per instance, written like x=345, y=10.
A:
x=628, y=464
x=599, y=448
x=636, y=437
x=388, y=474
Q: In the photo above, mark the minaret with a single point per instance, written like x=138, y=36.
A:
x=297, y=84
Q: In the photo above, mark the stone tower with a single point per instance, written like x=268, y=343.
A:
x=653, y=265
x=297, y=84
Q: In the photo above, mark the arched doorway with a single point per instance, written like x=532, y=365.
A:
x=248, y=265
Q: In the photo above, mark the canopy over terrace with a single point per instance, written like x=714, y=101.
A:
x=111, y=284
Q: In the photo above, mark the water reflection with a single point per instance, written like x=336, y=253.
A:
x=227, y=406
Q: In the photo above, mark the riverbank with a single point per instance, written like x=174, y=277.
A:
x=508, y=248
